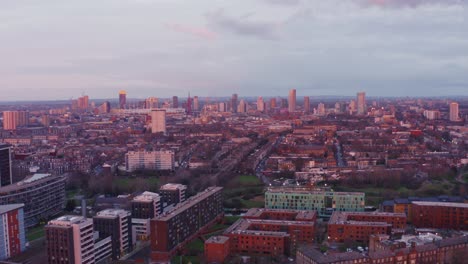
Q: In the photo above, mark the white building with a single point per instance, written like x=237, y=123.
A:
x=149, y=160
x=158, y=121
x=454, y=112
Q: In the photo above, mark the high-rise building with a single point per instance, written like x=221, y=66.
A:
x=83, y=102
x=175, y=102
x=172, y=193
x=122, y=99
x=12, y=232
x=454, y=112
x=361, y=103
x=10, y=120
x=284, y=103
x=6, y=177
x=188, y=108
x=234, y=99
x=352, y=107
x=105, y=107
x=149, y=160
x=306, y=104
x=146, y=205
x=69, y=240
x=292, y=100
x=431, y=114
x=151, y=102
x=45, y=120
x=158, y=121
x=222, y=107
x=321, y=109
x=23, y=118
x=242, y=107
x=117, y=224
x=260, y=104
x=272, y=103
x=196, y=103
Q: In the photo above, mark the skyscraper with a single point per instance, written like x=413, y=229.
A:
x=175, y=102
x=234, y=103
x=10, y=120
x=272, y=103
x=5, y=165
x=196, y=105
x=122, y=99
x=189, y=105
x=292, y=100
x=242, y=107
x=321, y=109
x=83, y=102
x=306, y=104
x=69, y=239
x=158, y=121
x=45, y=120
x=151, y=102
x=454, y=111
x=361, y=103
x=260, y=104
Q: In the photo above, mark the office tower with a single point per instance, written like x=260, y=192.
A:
x=175, y=102
x=454, y=112
x=10, y=120
x=321, y=109
x=117, y=224
x=5, y=165
x=222, y=107
x=12, y=232
x=74, y=104
x=105, y=107
x=45, y=120
x=122, y=99
x=260, y=104
x=83, y=102
x=151, y=102
x=188, y=109
x=242, y=107
x=308, y=199
x=43, y=196
x=173, y=229
x=292, y=100
x=196, y=104
x=284, y=103
x=234, y=103
x=69, y=239
x=23, y=118
x=352, y=107
x=172, y=193
x=361, y=103
x=158, y=121
x=306, y=104
x=272, y=103
x=149, y=160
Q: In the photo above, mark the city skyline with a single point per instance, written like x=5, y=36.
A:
x=387, y=48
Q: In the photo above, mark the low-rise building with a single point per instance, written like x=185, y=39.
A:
x=440, y=215
x=149, y=160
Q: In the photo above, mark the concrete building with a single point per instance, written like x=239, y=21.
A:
x=10, y=120
x=234, y=99
x=292, y=100
x=12, y=234
x=196, y=103
x=151, y=102
x=324, y=202
x=70, y=239
x=158, y=121
x=149, y=160
x=361, y=103
x=306, y=104
x=117, y=224
x=43, y=196
x=242, y=107
x=358, y=226
x=440, y=215
x=175, y=102
x=6, y=176
x=172, y=193
x=272, y=103
x=453, y=115
x=122, y=99
x=260, y=104
x=145, y=206
x=172, y=230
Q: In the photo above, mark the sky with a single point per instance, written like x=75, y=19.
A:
x=55, y=49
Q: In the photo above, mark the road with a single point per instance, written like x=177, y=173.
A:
x=261, y=165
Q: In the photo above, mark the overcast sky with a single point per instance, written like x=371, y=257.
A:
x=55, y=49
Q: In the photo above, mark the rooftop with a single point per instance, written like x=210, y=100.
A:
x=9, y=207
x=303, y=190
x=173, y=186
x=68, y=220
x=112, y=213
x=459, y=205
x=217, y=239
x=147, y=197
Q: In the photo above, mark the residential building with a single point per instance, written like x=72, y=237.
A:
x=453, y=115
x=149, y=160
x=12, y=232
x=361, y=103
x=217, y=249
x=306, y=104
x=6, y=177
x=172, y=193
x=122, y=99
x=145, y=206
x=440, y=215
x=292, y=100
x=117, y=224
x=158, y=121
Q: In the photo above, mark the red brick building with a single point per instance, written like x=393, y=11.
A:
x=440, y=215
x=358, y=226
x=217, y=249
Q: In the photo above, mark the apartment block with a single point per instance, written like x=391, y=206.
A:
x=12, y=232
x=149, y=160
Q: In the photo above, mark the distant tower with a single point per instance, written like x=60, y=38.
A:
x=45, y=120
x=272, y=103
x=454, y=112
x=196, y=104
x=158, y=121
x=306, y=104
x=175, y=102
x=10, y=120
x=151, y=102
x=321, y=109
x=222, y=107
x=361, y=103
x=242, y=107
x=122, y=99
x=234, y=103
x=260, y=104
x=189, y=105
x=5, y=165
x=292, y=100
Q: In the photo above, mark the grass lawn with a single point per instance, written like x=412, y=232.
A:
x=196, y=244
x=248, y=180
x=35, y=233
x=131, y=184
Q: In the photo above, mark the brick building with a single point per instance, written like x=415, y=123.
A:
x=358, y=226
x=172, y=230
x=217, y=249
x=440, y=215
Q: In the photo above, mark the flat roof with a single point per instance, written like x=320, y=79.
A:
x=341, y=218
x=112, y=213
x=444, y=204
x=29, y=181
x=217, y=240
x=9, y=207
x=147, y=197
x=301, y=214
x=68, y=220
x=308, y=191
x=172, y=186
x=188, y=203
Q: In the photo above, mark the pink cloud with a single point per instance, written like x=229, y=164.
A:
x=200, y=32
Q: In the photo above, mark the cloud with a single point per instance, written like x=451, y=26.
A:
x=409, y=3
x=245, y=25
x=195, y=31
x=283, y=2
